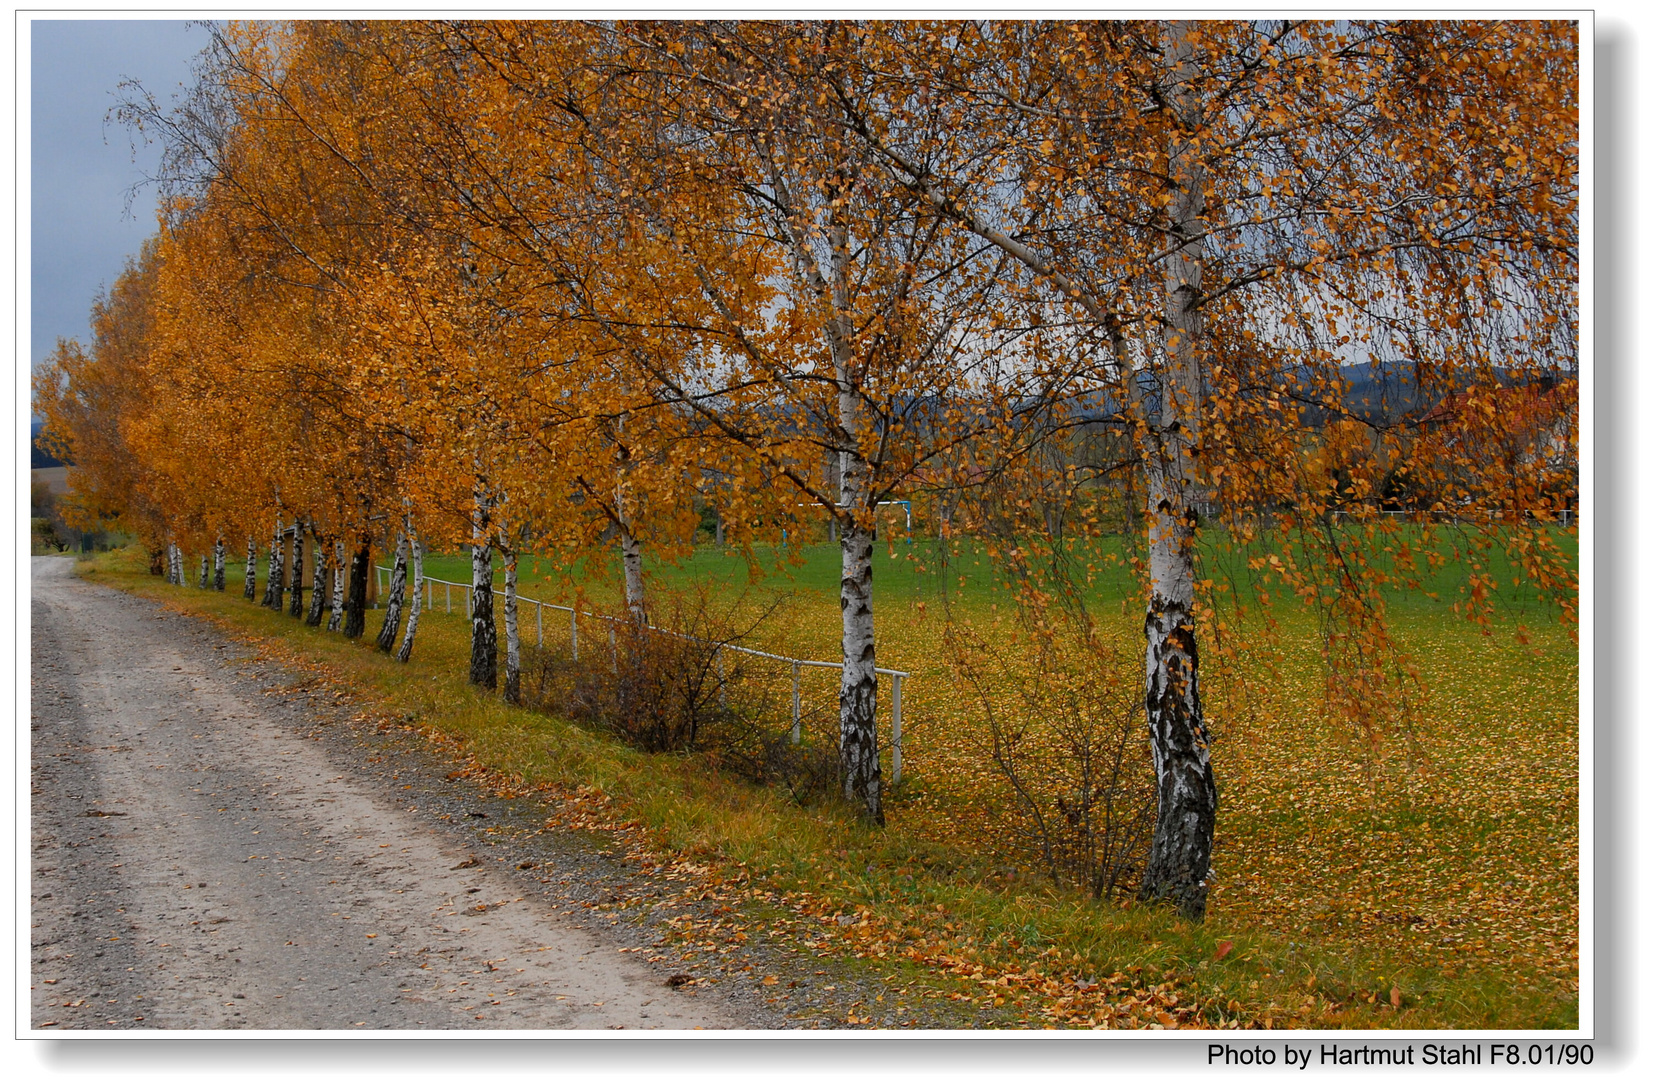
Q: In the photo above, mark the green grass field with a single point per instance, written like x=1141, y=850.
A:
x=1438, y=865
x=925, y=570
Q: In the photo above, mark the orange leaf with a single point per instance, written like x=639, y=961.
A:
x=1224, y=950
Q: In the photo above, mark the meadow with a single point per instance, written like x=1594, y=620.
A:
x=1427, y=878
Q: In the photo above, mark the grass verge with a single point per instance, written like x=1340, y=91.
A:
x=917, y=910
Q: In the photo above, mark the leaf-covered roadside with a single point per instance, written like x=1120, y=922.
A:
x=930, y=920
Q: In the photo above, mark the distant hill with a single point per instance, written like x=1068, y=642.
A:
x=38, y=458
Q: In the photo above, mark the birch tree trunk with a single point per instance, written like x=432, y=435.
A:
x=859, y=682
x=250, y=580
x=632, y=552
x=218, y=564
x=510, y=604
x=394, y=597
x=273, y=583
x=833, y=469
x=337, y=618
x=1187, y=799
x=858, y=749
x=632, y=568
x=859, y=688
x=204, y=571
x=319, y=579
x=406, y=649
x=483, y=638
x=297, y=607
x=356, y=602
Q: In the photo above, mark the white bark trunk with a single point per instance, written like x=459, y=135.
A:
x=319, y=579
x=398, y=586
x=205, y=563
x=336, y=618
x=218, y=564
x=297, y=574
x=273, y=583
x=859, y=759
x=859, y=683
x=1182, y=846
x=632, y=552
x=250, y=580
x=484, y=661
x=510, y=604
x=417, y=550
x=632, y=569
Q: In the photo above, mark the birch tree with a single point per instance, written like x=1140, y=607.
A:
x=1236, y=210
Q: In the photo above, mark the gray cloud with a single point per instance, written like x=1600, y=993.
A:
x=81, y=166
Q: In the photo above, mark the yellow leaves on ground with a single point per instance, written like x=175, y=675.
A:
x=1450, y=849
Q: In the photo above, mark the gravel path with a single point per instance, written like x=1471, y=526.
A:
x=209, y=854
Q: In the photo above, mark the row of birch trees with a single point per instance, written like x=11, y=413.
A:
x=551, y=288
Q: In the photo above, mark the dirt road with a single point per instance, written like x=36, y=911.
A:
x=201, y=861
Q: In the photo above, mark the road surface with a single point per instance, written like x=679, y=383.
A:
x=200, y=861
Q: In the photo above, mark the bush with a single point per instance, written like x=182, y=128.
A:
x=676, y=686
x=43, y=538
x=1064, y=731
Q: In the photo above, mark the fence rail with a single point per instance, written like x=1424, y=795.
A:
x=797, y=663
x=1562, y=517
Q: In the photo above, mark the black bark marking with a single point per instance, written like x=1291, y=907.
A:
x=1187, y=799
x=356, y=597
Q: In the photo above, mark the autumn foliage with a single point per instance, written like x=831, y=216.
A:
x=1290, y=305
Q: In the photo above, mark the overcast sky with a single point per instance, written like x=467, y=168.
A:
x=81, y=166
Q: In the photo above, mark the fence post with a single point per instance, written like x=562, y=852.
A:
x=796, y=702
x=896, y=729
x=574, y=641
x=448, y=599
x=540, y=631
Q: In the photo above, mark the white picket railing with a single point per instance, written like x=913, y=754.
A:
x=897, y=677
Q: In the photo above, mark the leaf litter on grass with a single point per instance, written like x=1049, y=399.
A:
x=1452, y=861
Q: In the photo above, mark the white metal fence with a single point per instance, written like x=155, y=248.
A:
x=1469, y=514
x=542, y=606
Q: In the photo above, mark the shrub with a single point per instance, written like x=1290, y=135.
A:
x=676, y=686
x=1063, y=728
